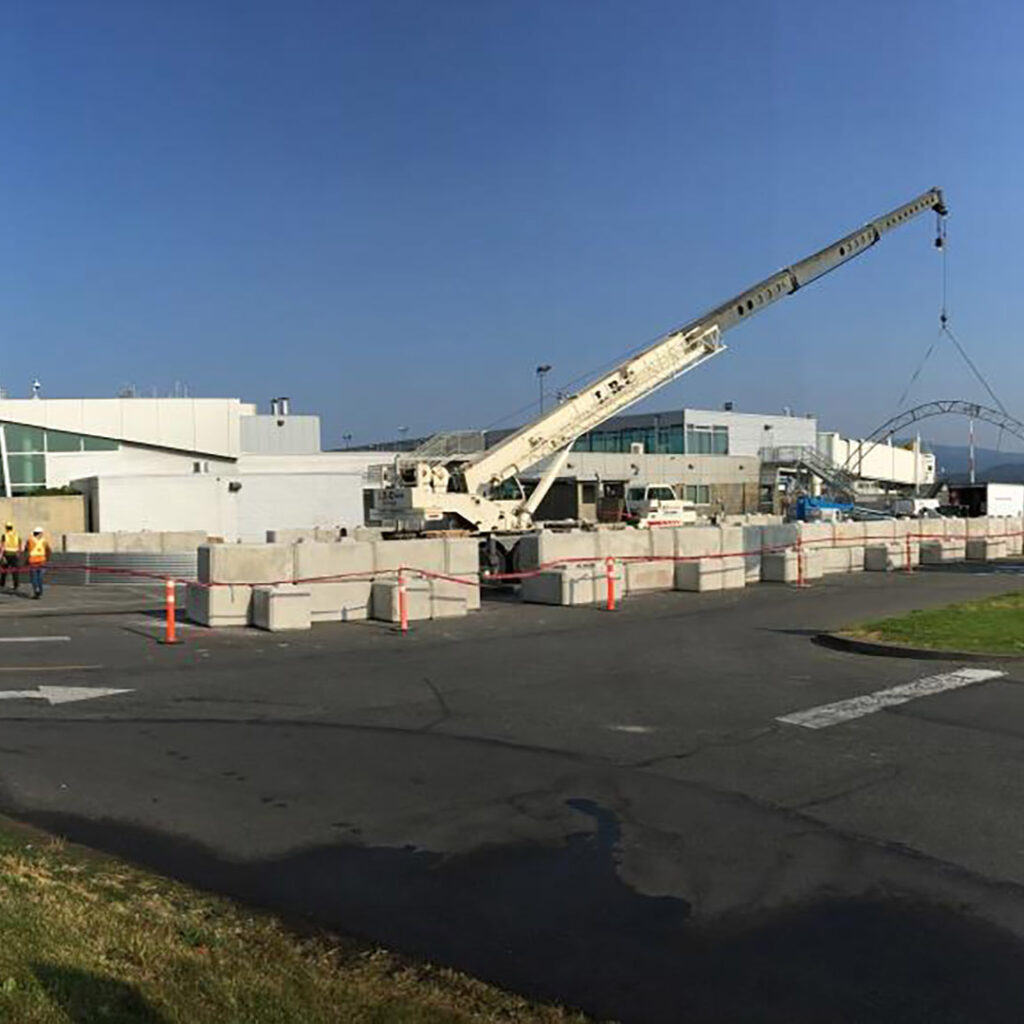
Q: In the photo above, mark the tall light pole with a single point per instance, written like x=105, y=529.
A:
x=542, y=371
x=347, y=438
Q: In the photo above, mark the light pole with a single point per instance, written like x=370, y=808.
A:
x=542, y=371
x=347, y=438
x=402, y=432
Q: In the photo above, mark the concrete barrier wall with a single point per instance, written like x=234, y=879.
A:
x=135, y=542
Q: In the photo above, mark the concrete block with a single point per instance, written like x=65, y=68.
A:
x=779, y=536
x=384, y=600
x=1014, y=538
x=339, y=602
x=245, y=563
x=181, y=541
x=977, y=527
x=461, y=555
x=547, y=546
x=663, y=542
x=939, y=551
x=448, y=599
x=784, y=567
x=753, y=542
x=704, y=574
x=985, y=549
x=218, y=606
x=646, y=576
x=290, y=536
x=312, y=559
x=101, y=543
x=145, y=542
x=884, y=556
x=697, y=541
x=428, y=553
x=368, y=533
x=572, y=585
x=627, y=542
x=281, y=608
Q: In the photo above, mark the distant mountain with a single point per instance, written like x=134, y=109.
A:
x=989, y=464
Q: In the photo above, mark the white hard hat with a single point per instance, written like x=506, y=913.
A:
x=38, y=529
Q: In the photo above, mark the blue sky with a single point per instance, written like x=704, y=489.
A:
x=392, y=211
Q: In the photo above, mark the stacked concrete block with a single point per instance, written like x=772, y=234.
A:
x=752, y=546
x=320, y=534
x=174, y=542
x=550, y=546
x=648, y=576
x=956, y=538
x=1015, y=536
x=91, y=543
x=884, y=556
x=939, y=551
x=462, y=562
x=697, y=541
x=285, y=607
x=985, y=549
x=779, y=537
x=847, y=551
x=345, y=599
x=573, y=585
x=241, y=566
x=385, y=604
x=145, y=542
x=218, y=606
x=792, y=566
x=726, y=572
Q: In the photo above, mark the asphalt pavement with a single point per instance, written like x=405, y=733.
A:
x=601, y=809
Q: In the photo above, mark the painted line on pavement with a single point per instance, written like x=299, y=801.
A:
x=856, y=707
x=49, y=668
x=32, y=639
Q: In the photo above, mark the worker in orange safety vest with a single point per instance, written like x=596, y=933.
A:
x=37, y=553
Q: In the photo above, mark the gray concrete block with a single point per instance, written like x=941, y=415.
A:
x=384, y=602
x=218, y=606
x=181, y=541
x=884, y=556
x=143, y=541
x=623, y=542
x=281, y=608
x=99, y=543
x=339, y=602
x=789, y=566
x=646, y=576
x=697, y=541
x=985, y=549
x=245, y=563
x=939, y=551
x=547, y=546
x=449, y=600
x=572, y=585
x=461, y=555
x=426, y=554
x=312, y=560
x=706, y=574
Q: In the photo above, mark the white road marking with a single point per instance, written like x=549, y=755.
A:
x=640, y=729
x=32, y=639
x=60, y=694
x=844, y=710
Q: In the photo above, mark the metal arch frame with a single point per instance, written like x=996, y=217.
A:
x=943, y=407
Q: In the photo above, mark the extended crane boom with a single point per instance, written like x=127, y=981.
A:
x=462, y=492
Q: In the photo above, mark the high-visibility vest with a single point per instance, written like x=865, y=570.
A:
x=36, y=550
x=12, y=542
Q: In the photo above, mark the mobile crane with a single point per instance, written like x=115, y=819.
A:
x=472, y=492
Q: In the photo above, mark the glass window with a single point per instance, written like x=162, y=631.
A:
x=636, y=494
x=701, y=440
x=23, y=439
x=27, y=471
x=699, y=494
x=58, y=441
x=661, y=494
x=99, y=444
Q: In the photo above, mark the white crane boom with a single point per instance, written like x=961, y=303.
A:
x=426, y=492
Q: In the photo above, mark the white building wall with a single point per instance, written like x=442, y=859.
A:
x=750, y=432
x=301, y=500
x=64, y=467
x=884, y=462
x=280, y=435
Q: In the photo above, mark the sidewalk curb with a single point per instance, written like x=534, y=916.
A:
x=878, y=649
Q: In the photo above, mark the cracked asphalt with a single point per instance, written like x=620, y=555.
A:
x=594, y=808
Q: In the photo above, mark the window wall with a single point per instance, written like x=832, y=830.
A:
x=26, y=449
x=708, y=440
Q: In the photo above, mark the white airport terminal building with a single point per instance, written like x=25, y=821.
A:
x=221, y=466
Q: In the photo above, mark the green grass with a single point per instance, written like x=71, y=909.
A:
x=992, y=625
x=84, y=937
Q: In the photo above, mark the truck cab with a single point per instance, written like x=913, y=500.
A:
x=653, y=505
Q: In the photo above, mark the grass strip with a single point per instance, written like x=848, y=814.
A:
x=85, y=937
x=991, y=625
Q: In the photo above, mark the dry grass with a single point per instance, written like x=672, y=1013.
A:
x=88, y=938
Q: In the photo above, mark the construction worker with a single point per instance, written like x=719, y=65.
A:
x=37, y=553
x=10, y=556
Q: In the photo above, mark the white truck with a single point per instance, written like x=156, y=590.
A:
x=481, y=492
x=653, y=505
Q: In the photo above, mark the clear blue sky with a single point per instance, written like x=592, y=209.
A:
x=392, y=211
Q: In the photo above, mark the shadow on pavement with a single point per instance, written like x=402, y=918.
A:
x=557, y=923
x=85, y=997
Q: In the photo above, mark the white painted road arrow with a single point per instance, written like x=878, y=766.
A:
x=60, y=694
